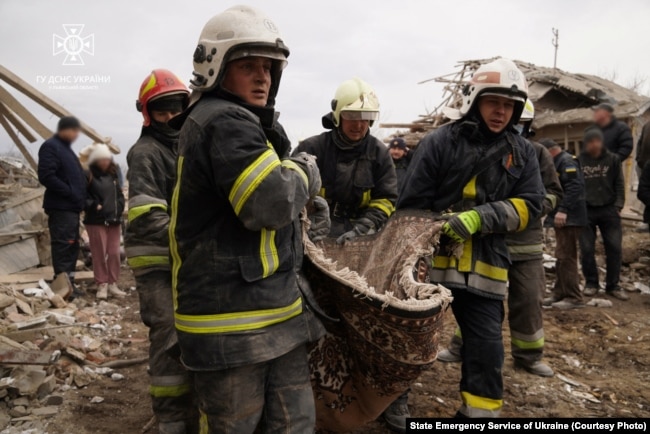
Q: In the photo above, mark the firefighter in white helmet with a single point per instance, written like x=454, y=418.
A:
x=358, y=175
x=242, y=312
x=488, y=175
x=527, y=282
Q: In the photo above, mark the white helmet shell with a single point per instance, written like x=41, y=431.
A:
x=240, y=31
x=355, y=95
x=500, y=77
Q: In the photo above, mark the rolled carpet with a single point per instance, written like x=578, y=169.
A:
x=389, y=318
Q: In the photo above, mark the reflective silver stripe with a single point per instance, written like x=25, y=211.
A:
x=512, y=216
x=447, y=275
x=539, y=334
x=169, y=380
x=525, y=249
x=487, y=285
x=251, y=178
x=268, y=252
x=134, y=251
x=237, y=321
x=144, y=199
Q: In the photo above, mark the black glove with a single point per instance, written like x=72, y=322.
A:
x=319, y=216
x=308, y=164
x=362, y=227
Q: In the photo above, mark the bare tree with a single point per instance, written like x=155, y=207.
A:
x=638, y=84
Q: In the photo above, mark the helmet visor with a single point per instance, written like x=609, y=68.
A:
x=505, y=94
x=359, y=115
x=269, y=53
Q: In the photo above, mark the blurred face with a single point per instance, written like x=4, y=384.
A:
x=163, y=116
x=103, y=164
x=602, y=118
x=594, y=147
x=250, y=79
x=496, y=111
x=69, y=134
x=354, y=130
x=397, y=153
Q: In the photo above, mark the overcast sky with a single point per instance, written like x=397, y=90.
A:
x=392, y=44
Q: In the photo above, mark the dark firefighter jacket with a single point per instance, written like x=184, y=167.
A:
x=358, y=182
x=152, y=169
x=604, y=183
x=573, y=185
x=236, y=241
x=459, y=167
x=103, y=189
x=529, y=244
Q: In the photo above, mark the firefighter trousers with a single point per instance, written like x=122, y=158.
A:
x=527, y=285
x=481, y=385
x=170, y=387
x=276, y=395
x=525, y=294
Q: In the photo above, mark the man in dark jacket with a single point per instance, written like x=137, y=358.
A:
x=243, y=311
x=644, y=191
x=617, y=136
x=526, y=277
x=489, y=176
x=359, y=181
x=151, y=175
x=643, y=148
x=60, y=171
x=401, y=159
x=605, y=197
x=568, y=219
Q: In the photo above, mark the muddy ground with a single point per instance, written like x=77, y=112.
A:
x=607, y=351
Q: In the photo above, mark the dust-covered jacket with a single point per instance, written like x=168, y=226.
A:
x=236, y=240
x=357, y=181
x=461, y=168
x=152, y=169
x=529, y=244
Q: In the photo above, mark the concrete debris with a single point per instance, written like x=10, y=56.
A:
x=97, y=400
x=642, y=287
x=600, y=302
x=571, y=361
x=48, y=346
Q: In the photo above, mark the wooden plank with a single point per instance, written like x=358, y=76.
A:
x=20, y=278
x=10, y=101
x=51, y=105
x=20, y=126
x=18, y=143
x=36, y=193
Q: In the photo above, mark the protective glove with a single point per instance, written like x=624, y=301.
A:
x=319, y=216
x=460, y=227
x=308, y=164
x=362, y=227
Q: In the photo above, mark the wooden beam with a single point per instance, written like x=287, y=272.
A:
x=19, y=144
x=14, y=105
x=51, y=105
x=20, y=126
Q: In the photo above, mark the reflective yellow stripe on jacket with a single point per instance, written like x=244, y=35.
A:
x=173, y=245
x=251, y=178
x=384, y=205
x=237, y=321
x=143, y=204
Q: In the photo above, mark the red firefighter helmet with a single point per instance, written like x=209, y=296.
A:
x=161, y=82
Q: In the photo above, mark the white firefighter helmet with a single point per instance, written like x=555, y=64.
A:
x=500, y=77
x=528, y=115
x=357, y=99
x=238, y=32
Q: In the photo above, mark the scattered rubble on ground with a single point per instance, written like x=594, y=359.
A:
x=48, y=346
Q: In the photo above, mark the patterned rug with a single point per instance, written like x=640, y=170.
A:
x=389, y=319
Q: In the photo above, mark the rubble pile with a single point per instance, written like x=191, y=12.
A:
x=48, y=346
